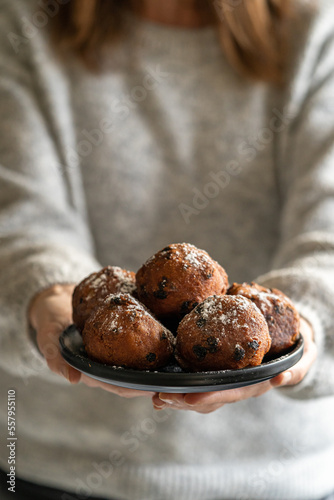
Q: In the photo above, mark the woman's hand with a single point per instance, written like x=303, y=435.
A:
x=208, y=402
x=50, y=313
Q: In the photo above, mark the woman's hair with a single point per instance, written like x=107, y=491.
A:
x=254, y=33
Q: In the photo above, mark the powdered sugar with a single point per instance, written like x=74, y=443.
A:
x=227, y=310
x=241, y=303
x=110, y=277
x=130, y=305
x=125, y=282
x=266, y=299
x=223, y=318
x=114, y=322
x=197, y=257
x=209, y=307
x=194, y=257
x=96, y=279
x=187, y=253
x=229, y=318
x=94, y=282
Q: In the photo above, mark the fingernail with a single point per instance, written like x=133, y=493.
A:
x=168, y=401
x=160, y=407
x=159, y=403
x=166, y=398
x=286, y=378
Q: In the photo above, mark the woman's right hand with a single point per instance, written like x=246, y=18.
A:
x=50, y=312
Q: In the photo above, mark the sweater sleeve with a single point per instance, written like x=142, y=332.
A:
x=303, y=266
x=43, y=229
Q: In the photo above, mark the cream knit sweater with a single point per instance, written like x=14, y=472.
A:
x=167, y=145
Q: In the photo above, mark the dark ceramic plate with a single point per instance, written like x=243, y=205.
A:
x=172, y=378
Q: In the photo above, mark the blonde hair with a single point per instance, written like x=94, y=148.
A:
x=254, y=33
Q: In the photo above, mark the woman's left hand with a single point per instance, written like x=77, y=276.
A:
x=207, y=402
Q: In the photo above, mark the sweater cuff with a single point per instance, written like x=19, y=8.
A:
x=45, y=267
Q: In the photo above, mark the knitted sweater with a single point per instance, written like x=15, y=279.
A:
x=167, y=144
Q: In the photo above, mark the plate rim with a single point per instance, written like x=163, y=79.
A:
x=177, y=381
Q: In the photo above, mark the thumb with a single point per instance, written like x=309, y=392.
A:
x=50, y=313
x=48, y=344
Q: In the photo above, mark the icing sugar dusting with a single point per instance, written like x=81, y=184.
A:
x=196, y=257
x=193, y=258
x=125, y=282
x=208, y=307
x=226, y=310
x=241, y=303
x=114, y=323
x=131, y=306
x=266, y=298
x=112, y=276
x=96, y=280
x=187, y=253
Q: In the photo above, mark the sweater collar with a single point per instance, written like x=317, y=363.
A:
x=178, y=43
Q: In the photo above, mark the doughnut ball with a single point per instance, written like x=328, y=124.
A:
x=224, y=332
x=121, y=332
x=279, y=312
x=91, y=292
x=177, y=278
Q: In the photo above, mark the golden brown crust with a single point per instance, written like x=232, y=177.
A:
x=91, y=292
x=217, y=331
x=177, y=278
x=121, y=332
x=224, y=332
x=279, y=312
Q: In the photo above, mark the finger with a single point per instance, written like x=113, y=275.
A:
x=52, y=304
x=228, y=396
x=207, y=405
x=70, y=373
x=297, y=373
x=210, y=401
x=173, y=401
x=207, y=409
x=177, y=403
x=169, y=398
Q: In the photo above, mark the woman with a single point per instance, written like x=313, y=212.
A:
x=127, y=126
